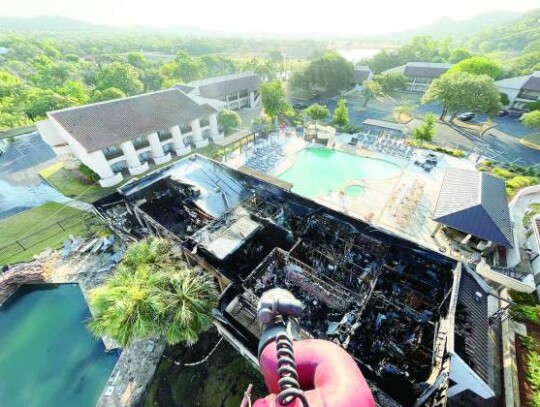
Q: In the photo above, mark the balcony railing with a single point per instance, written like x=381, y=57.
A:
x=141, y=144
x=164, y=136
x=110, y=155
x=529, y=95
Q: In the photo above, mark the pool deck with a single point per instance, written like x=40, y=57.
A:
x=386, y=203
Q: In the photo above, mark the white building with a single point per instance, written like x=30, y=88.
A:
x=521, y=90
x=125, y=136
x=235, y=91
x=421, y=74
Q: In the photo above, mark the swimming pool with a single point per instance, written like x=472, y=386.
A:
x=47, y=356
x=318, y=170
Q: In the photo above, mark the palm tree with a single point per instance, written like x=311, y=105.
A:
x=153, y=294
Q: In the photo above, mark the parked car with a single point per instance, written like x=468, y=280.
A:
x=465, y=117
x=503, y=113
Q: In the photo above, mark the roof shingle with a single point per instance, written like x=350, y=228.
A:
x=100, y=125
x=222, y=85
x=475, y=203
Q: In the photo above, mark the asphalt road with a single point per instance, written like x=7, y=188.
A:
x=21, y=187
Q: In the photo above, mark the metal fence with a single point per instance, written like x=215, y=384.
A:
x=35, y=238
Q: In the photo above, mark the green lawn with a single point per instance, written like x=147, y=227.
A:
x=73, y=184
x=27, y=226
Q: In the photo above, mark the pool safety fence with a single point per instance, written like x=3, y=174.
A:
x=30, y=241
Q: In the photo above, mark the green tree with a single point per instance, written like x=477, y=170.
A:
x=425, y=131
x=478, y=66
x=274, y=98
x=229, y=120
x=317, y=112
x=385, y=59
x=75, y=91
x=458, y=54
x=370, y=90
x=122, y=76
x=153, y=294
x=341, y=114
x=107, y=94
x=464, y=91
x=137, y=60
x=40, y=101
x=330, y=72
x=532, y=119
x=390, y=81
x=403, y=110
x=10, y=85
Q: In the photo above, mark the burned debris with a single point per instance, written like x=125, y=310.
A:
x=389, y=302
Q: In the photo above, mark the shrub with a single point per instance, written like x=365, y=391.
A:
x=488, y=163
x=519, y=182
x=533, y=376
x=530, y=343
x=522, y=298
x=524, y=313
x=89, y=173
x=458, y=153
x=502, y=173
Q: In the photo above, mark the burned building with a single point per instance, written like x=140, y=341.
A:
x=415, y=320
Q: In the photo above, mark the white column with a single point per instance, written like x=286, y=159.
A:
x=133, y=162
x=252, y=99
x=214, y=129
x=158, y=154
x=197, y=134
x=99, y=164
x=179, y=146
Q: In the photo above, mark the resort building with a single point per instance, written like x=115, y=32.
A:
x=361, y=74
x=125, y=136
x=521, y=90
x=416, y=321
x=421, y=74
x=235, y=91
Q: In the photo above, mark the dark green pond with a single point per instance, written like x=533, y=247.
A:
x=47, y=357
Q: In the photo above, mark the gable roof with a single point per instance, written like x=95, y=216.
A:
x=475, y=203
x=104, y=124
x=361, y=74
x=426, y=69
x=472, y=325
x=187, y=89
x=533, y=83
x=221, y=85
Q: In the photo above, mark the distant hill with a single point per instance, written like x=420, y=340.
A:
x=459, y=29
x=51, y=24
x=522, y=34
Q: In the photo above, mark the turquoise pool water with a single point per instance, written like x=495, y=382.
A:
x=47, y=357
x=318, y=170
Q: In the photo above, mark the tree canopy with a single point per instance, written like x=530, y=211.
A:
x=461, y=91
x=330, y=73
x=317, y=112
x=121, y=76
x=478, y=65
x=532, y=119
x=390, y=81
x=229, y=120
x=370, y=90
x=274, y=98
x=425, y=131
x=341, y=114
x=153, y=294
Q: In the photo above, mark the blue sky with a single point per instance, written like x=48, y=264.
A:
x=362, y=17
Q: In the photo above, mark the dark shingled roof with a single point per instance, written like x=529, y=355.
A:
x=533, y=83
x=472, y=326
x=100, y=125
x=220, y=86
x=185, y=88
x=475, y=203
x=360, y=75
x=425, y=71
